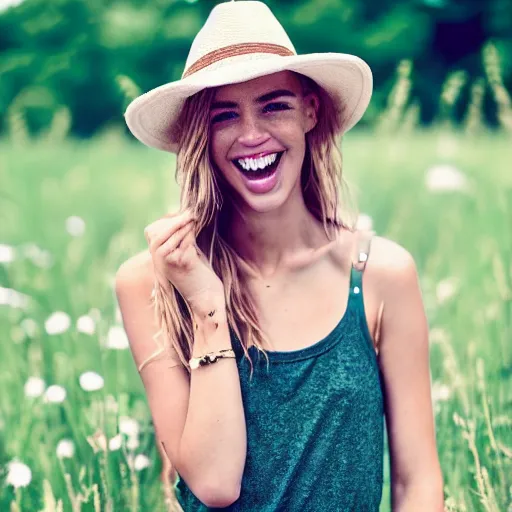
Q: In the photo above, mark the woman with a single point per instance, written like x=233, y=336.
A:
x=261, y=261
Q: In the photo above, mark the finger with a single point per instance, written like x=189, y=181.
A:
x=189, y=238
x=176, y=239
x=153, y=229
x=166, y=229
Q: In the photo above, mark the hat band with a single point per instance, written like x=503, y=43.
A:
x=234, y=50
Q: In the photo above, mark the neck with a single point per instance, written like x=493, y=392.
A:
x=272, y=242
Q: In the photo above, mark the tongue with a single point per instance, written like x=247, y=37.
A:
x=261, y=173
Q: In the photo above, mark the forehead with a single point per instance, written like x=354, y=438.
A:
x=258, y=86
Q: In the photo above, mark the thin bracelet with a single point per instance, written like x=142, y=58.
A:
x=211, y=357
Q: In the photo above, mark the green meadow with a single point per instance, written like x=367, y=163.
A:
x=75, y=428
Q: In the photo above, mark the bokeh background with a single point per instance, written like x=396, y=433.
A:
x=429, y=165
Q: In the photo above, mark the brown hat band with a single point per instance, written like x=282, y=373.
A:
x=236, y=49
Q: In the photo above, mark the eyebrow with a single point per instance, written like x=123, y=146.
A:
x=278, y=93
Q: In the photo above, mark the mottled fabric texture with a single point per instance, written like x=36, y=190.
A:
x=315, y=424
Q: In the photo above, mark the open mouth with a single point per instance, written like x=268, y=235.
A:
x=260, y=173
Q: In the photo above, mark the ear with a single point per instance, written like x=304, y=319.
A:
x=311, y=105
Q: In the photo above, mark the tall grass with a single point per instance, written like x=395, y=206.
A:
x=73, y=211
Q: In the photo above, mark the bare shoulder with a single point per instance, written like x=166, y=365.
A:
x=392, y=288
x=390, y=255
x=391, y=265
x=387, y=261
x=137, y=271
x=134, y=284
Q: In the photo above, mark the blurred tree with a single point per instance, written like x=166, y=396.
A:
x=77, y=53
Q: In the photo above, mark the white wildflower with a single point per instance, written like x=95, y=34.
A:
x=86, y=325
x=55, y=394
x=57, y=323
x=39, y=257
x=19, y=474
x=115, y=443
x=446, y=289
x=128, y=426
x=7, y=252
x=34, y=387
x=132, y=443
x=65, y=449
x=442, y=178
x=91, y=381
x=43, y=259
x=75, y=225
x=116, y=338
x=30, y=327
x=440, y=392
x=438, y=335
x=13, y=298
x=30, y=250
x=364, y=222
x=141, y=462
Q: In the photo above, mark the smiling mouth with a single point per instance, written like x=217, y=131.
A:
x=260, y=173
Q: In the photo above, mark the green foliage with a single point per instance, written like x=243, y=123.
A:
x=85, y=57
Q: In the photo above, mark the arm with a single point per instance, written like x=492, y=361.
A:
x=416, y=478
x=198, y=418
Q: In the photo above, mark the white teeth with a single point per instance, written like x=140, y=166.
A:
x=259, y=163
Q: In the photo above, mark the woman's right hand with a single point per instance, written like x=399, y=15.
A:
x=177, y=259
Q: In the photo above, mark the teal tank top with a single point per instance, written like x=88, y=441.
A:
x=315, y=422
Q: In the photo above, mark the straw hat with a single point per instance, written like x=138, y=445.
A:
x=240, y=41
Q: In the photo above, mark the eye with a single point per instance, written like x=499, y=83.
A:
x=272, y=107
x=222, y=117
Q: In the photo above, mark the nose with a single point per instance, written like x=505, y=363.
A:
x=252, y=133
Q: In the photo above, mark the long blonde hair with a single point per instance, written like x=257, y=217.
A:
x=203, y=188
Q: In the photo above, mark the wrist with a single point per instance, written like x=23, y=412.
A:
x=208, y=306
x=210, y=334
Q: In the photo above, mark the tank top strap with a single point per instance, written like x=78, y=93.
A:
x=362, y=251
x=359, y=259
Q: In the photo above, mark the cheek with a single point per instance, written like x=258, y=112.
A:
x=218, y=146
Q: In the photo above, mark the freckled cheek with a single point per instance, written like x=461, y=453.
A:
x=291, y=136
x=218, y=147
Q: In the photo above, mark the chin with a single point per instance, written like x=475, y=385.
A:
x=265, y=205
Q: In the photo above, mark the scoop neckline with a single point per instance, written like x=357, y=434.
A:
x=317, y=347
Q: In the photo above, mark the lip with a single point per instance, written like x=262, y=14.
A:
x=264, y=185
x=257, y=155
x=238, y=166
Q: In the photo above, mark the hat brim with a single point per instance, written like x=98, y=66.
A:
x=152, y=116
